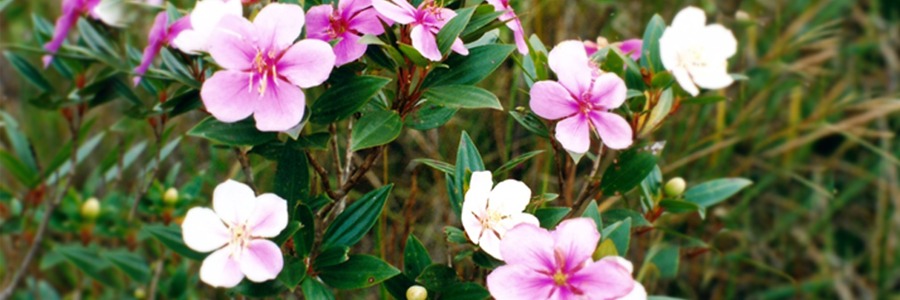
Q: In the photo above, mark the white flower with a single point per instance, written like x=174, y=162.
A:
x=697, y=54
x=112, y=12
x=488, y=214
x=236, y=230
x=204, y=19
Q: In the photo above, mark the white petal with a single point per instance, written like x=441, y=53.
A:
x=490, y=244
x=203, y=231
x=270, y=216
x=516, y=219
x=191, y=42
x=233, y=201
x=220, y=270
x=207, y=13
x=713, y=76
x=684, y=79
x=479, y=190
x=509, y=197
x=638, y=292
x=719, y=42
x=690, y=18
x=112, y=12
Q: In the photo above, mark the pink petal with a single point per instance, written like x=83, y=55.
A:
x=348, y=49
x=220, y=270
x=570, y=63
x=632, y=48
x=233, y=201
x=459, y=47
x=514, y=220
x=576, y=239
x=270, y=216
x=203, y=231
x=602, y=280
x=227, y=96
x=281, y=106
x=367, y=22
x=307, y=63
x=608, y=91
x=424, y=41
x=614, y=130
x=155, y=40
x=349, y=8
x=65, y=22
x=551, y=100
x=519, y=282
x=261, y=260
x=278, y=25
x=233, y=44
x=318, y=22
x=530, y=246
x=637, y=293
x=519, y=36
x=574, y=133
x=621, y=262
x=399, y=11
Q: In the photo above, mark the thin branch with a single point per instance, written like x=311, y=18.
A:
x=245, y=166
x=323, y=174
x=157, y=272
x=334, y=153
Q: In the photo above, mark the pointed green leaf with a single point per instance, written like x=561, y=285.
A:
x=359, y=217
x=376, y=128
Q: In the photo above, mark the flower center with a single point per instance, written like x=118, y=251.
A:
x=264, y=69
x=560, y=278
x=338, y=25
x=692, y=58
x=240, y=239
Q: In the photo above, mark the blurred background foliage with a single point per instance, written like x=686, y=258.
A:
x=815, y=127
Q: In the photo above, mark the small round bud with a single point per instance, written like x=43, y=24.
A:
x=90, y=209
x=139, y=293
x=416, y=292
x=170, y=197
x=675, y=187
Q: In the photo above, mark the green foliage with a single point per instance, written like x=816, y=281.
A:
x=359, y=217
x=358, y=271
x=346, y=98
x=463, y=96
x=376, y=128
x=240, y=133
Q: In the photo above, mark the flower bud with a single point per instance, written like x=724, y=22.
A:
x=90, y=209
x=416, y=292
x=170, y=197
x=139, y=293
x=675, y=187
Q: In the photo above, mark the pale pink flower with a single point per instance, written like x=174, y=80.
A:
x=346, y=25
x=264, y=70
x=426, y=20
x=582, y=99
x=638, y=292
x=697, y=54
x=512, y=21
x=557, y=265
x=105, y=11
x=488, y=214
x=631, y=47
x=236, y=230
x=161, y=33
x=203, y=21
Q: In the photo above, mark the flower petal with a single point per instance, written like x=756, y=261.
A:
x=155, y=39
x=318, y=22
x=233, y=201
x=576, y=239
x=227, y=96
x=459, y=47
x=281, y=107
x=307, y=63
x=490, y=243
x=278, y=25
x=551, y=100
x=509, y=197
x=203, y=231
x=690, y=18
x=424, y=41
x=602, y=280
x=233, y=44
x=719, y=42
x=261, y=260
x=399, y=11
x=480, y=185
x=632, y=48
x=530, y=246
x=570, y=63
x=713, y=76
x=519, y=282
x=470, y=222
x=367, y=22
x=270, y=216
x=608, y=91
x=637, y=293
x=574, y=133
x=220, y=270
x=621, y=262
x=191, y=42
x=207, y=13
x=348, y=49
x=614, y=130
x=685, y=81
x=514, y=220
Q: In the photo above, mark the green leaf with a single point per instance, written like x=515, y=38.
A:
x=465, y=291
x=90, y=263
x=268, y=288
x=330, y=256
x=484, y=15
x=628, y=171
x=345, y=98
x=398, y=285
x=469, y=69
x=414, y=55
x=376, y=128
x=351, y=225
x=304, y=238
x=705, y=99
x=130, y=263
x=550, y=216
x=415, y=257
x=437, y=165
x=293, y=273
x=241, y=133
x=313, y=289
x=531, y=122
x=359, y=271
x=429, y=116
x=437, y=277
x=28, y=71
x=455, y=235
x=288, y=231
x=666, y=260
x=462, y=96
x=659, y=112
x=620, y=214
x=714, y=191
x=292, y=177
x=178, y=69
x=20, y=144
x=651, y=186
x=620, y=234
x=468, y=160
x=679, y=206
x=512, y=163
x=170, y=236
x=650, y=53
x=662, y=80
x=96, y=41
x=453, y=28
x=594, y=213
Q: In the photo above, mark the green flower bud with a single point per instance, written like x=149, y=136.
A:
x=170, y=197
x=416, y=292
x=139, y=293
x=90, y=209
x=675, y=187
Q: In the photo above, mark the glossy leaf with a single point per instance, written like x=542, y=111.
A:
x=241, y=133
x=451, y=30
x=437, y=277
x=430, y=116
x=313, y=289
x=468, y=160
x=650, y=53
x=129, y=263
x=28, y=71
x=331, y=256
x=531, y=122
x=462, y=96
x=292, y=177
x=293, y=272
x=170, y=236
x=550, y=216
x=359, y=217
x=714, y=191
x=594, y=213
x=345, y=98
x=376, y=128
x=469, y=69
x=629, y=170
x=359, y=271
x=516, y=161
x=305, y=236
x=415, y=257
x=437, y=165
x=620, y=234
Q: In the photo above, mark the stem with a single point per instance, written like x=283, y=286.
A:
x=334, y=152
x=323, y=174
x=157, y=272
x=245, y=166
x=594, y=185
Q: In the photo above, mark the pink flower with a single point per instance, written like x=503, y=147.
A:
x=512, y=21
x=346, y=24
x=638, y=292
x=71, y=10
x=557, y=265
x=631, y=47
x=488, y=214
x=427, y=20
x=582, y=100
x=203, y=20
x=264, y=69
x=240, y=245
x=160, y=35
